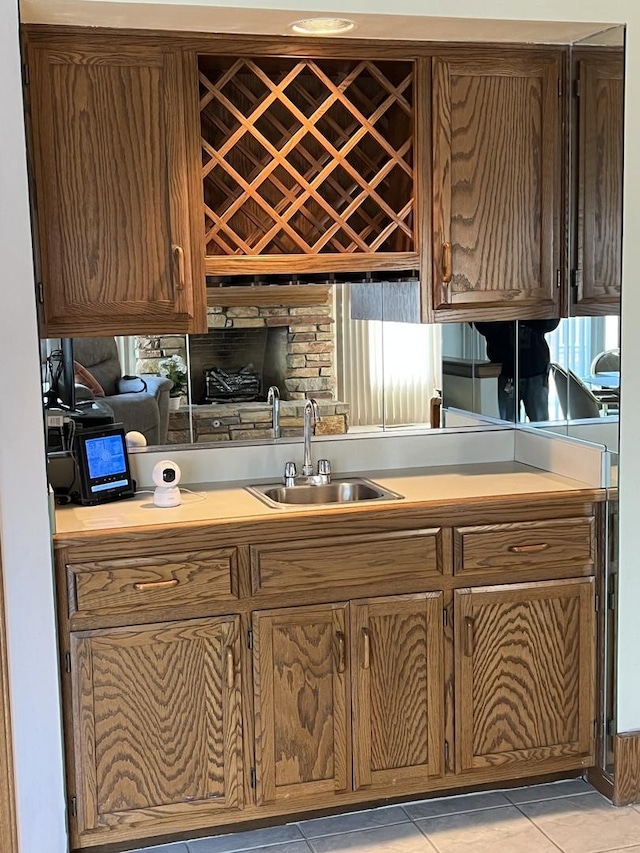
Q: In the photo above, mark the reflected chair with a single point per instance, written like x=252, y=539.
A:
x=146, y=411
x=606, y=362
x=576, y=400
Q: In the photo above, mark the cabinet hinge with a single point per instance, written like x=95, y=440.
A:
x=576, y=88
x=67, y=661
x=611, y=600
x=250, y=638
x=597, y=603
x=558, y=278
x=595, y=728
x=25, y=74
x=559, y=87
x=254, y=778
x=73, y=806
x=40, y=292
x=446, y=754
x=576, y=278
x=445, y=617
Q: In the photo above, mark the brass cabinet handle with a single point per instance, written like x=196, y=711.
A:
x=342, y=660
x=447, y=263
x=366, y=649
x=469, y=641
x=178, y=251
x=529, y=549
x=142, y=586
x=231, y=668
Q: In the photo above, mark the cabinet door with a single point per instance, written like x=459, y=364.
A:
x=600, y=122
x=398, y=691
x=496, y=161
x=158, y=726
x=524, y=663
x=302, y=702
x=116, y=240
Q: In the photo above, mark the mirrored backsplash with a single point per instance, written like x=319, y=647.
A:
x=360, y=352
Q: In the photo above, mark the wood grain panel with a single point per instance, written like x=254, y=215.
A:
x=158, y=725
x=599, y=233
x=111, y=196
x=495, y=144
x=299, y=295
x=177, y=580
x=397, y=660
x=530, y=544
x=343, y=561
x=8, y=828
x=524, y=672
x=626, y=773
x=302, y=702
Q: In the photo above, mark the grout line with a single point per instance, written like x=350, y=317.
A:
x=357, y=828
x=535, y=825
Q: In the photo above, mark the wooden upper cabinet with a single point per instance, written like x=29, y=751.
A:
x=119, y=241
x=302, y=703
x=524, y=664
x=600, y=104
x=397, y=660
x=158, y=729
x=496, y=185
x=307, y=164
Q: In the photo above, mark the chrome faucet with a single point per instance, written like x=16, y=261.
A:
x=311, y=417
x=273, y=400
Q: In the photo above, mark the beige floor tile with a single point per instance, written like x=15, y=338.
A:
x=585, y=824
x=402, y=838
x=354, y=821
x=502, y=830
x=634, y=849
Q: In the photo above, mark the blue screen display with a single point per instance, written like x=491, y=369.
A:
x=105, y=456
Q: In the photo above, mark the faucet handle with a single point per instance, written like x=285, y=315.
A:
x=290, y=473
x=324, y=468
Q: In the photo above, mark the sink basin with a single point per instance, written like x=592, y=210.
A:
x=335, y=492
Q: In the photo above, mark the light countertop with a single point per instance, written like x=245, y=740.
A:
x=231, y=502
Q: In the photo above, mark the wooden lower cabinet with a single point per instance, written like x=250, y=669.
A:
x=302, y=703
x=398, y=696
x=158, y=724
x=524, y=666
x=306, y=667
x=299, y=702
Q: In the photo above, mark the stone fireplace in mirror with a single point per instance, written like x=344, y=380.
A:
x=247, y=349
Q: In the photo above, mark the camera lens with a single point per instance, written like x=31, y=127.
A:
x=168, y=475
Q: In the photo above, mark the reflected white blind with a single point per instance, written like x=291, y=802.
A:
x=389, y=371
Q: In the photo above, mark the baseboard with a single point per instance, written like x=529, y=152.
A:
x=600, y=781
x=626, y=781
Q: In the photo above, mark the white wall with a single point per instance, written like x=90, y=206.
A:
x=26, y=550
x=23, y=521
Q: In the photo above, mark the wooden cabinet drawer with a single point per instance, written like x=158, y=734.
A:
x=403, y=558
x=521, y=546
x=121, y=585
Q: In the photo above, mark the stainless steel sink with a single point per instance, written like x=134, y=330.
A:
x=336, y=492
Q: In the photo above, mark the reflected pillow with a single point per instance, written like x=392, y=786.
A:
x=83, y=377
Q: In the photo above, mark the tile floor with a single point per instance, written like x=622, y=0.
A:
x=569, y=816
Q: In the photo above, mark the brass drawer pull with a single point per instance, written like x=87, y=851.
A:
x=143, y=586
x=469, y=639
x=178, y=251
x=366, y=649
x=231, y=668
x=447, y=263
x=342, y=661
x=529, y=549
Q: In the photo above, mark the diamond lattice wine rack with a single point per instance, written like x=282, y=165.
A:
x=307, y=164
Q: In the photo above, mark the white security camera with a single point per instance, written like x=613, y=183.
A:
x=166, y=475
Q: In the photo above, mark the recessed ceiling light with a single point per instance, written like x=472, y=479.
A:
x=322, y=26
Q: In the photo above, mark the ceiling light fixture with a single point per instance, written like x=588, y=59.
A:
x=322, y=26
